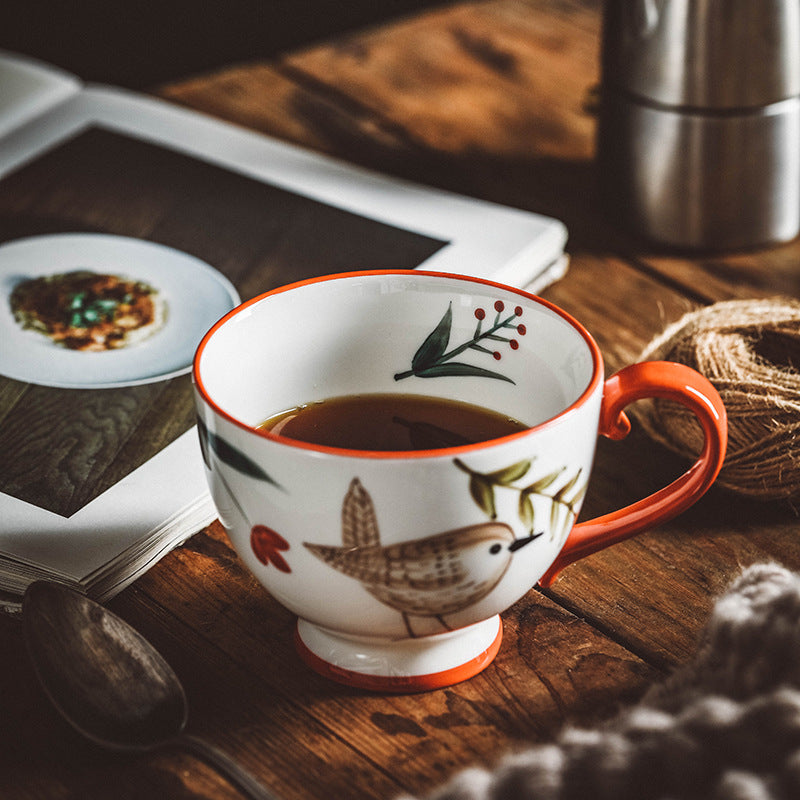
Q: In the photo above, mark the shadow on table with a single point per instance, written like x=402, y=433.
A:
x=138, y=45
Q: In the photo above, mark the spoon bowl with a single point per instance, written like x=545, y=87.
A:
x=109, y=682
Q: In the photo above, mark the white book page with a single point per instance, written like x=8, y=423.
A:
x=29, y=88
x=117, y=520
x=485, y=239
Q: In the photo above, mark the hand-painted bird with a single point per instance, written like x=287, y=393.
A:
x=429, y=577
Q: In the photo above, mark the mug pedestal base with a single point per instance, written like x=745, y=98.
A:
x=408, y=665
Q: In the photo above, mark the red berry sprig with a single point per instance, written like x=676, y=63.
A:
x=433, y=359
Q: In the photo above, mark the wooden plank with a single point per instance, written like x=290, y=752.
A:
x=474, y=116
x=762, y=272
x=390, y=111
x=246, y=687
x=503, y=118
x=654, y=593
x=471, y=79
x=551, y=666
x=492, y=100
x=109, y=41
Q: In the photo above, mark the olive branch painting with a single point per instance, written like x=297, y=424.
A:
x=563, y=501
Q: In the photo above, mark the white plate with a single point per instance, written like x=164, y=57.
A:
x=196, y=296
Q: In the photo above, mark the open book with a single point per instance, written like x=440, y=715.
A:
x=102, y=473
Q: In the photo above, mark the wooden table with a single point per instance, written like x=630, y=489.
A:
x=492, y=99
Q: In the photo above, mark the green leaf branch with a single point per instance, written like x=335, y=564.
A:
x=434, y=360
x=564, y=500
x=213, y=445
x=228, y=454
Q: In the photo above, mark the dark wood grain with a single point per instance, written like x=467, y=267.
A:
x=414, y=741
x=493, y=99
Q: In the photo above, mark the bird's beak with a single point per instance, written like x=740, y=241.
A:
x=518, y=543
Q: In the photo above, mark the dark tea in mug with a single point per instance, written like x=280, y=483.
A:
x=391, y=422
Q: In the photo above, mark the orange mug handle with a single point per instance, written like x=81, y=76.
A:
x=663, y=379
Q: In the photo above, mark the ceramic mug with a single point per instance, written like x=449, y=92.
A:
x=398, y=564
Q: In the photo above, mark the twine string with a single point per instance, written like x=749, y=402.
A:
x=750, y=351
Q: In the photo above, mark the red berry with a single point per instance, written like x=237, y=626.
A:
x=499, y=305
x=518, y=311
x=496, y=355
x=480, y=313
x=514, y=344
x=521, y=330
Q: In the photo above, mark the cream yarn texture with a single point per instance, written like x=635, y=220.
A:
x=750, y=351
x=724, y=727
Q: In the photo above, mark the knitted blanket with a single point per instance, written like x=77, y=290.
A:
x=724, y=727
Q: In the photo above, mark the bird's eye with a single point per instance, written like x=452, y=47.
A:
x=495, y=548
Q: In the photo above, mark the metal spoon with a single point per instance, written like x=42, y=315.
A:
x=110, y=683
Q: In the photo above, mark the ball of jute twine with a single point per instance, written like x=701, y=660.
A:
x=750, y=351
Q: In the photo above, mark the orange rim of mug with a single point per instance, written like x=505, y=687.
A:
x=594, y=382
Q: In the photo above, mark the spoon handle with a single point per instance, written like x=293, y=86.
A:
x=236, y=774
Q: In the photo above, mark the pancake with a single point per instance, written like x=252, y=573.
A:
x=88, y=311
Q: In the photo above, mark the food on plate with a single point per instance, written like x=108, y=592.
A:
x=90, y=311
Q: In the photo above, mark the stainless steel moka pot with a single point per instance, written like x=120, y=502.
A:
x=699, y=129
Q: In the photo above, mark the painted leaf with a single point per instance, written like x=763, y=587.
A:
x=510, y=474
x=579, y=495
x=483, y=494
x=458, y=368
x=555, y=513
x=202, y=432
x=462, y=466
x=566, y=488
x=231, y=456
x=526, y=511
x=434, y=346
x=537, y=486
